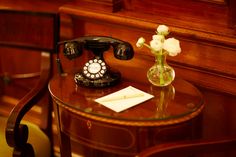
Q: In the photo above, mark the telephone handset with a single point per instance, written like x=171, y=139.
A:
x=96, y=72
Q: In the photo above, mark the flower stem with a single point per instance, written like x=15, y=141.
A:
x=160, y=58
x=152, y=50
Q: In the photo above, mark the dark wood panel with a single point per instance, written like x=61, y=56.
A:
x=46, y=6
x=232, y=20
x=27, y=29
x=107, y=5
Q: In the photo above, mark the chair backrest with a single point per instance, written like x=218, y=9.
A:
x=21, y=33
x=23, y=72
x=29, y=29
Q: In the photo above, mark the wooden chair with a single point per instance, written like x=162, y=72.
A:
x=191, y=148
x=25, y=113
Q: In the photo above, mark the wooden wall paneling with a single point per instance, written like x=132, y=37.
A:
x=191, y=29
x=204, y=63
x=193, y=19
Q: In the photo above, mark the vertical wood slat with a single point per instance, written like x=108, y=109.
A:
x=232, y=21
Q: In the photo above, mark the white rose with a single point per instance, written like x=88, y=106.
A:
x=162, y=29
x=156, y=45
x=172, y=46
x=140, y=42
x=158, y=37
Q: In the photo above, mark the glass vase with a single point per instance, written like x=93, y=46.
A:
x=161, y=74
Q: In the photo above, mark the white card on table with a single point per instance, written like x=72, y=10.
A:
x=124, y=99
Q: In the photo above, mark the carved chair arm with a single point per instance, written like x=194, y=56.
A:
x=16, y=133
x=185, y=148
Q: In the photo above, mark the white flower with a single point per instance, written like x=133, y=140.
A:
x=140, y=42
x=162, y=29
x=158, y=37
x=156, y=45
x=172, y=46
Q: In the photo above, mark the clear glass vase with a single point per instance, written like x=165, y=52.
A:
x=161, y=74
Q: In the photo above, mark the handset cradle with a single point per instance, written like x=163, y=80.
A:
x=96, y=72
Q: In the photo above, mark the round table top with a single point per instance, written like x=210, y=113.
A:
x=172, y=104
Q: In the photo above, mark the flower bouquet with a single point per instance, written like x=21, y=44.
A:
x=161, y=74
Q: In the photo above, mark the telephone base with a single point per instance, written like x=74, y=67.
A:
x=109, y=79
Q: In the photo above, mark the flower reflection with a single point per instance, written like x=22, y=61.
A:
x=164, y=95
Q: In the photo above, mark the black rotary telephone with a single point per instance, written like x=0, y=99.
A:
x=96, y=72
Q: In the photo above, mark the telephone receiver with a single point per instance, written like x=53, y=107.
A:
x=96, y=72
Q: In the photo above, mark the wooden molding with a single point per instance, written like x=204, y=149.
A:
x=215, y=1
x=142, y=22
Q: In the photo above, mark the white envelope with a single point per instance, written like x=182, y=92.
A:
x=124, y=99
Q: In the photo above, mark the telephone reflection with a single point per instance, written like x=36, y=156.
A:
x=96, y=72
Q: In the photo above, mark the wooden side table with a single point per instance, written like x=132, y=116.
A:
x=170, y=116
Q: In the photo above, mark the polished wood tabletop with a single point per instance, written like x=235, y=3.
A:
x=175, y=103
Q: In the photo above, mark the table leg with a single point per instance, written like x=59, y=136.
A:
x=64, y=140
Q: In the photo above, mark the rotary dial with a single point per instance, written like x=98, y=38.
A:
x=94, y=69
